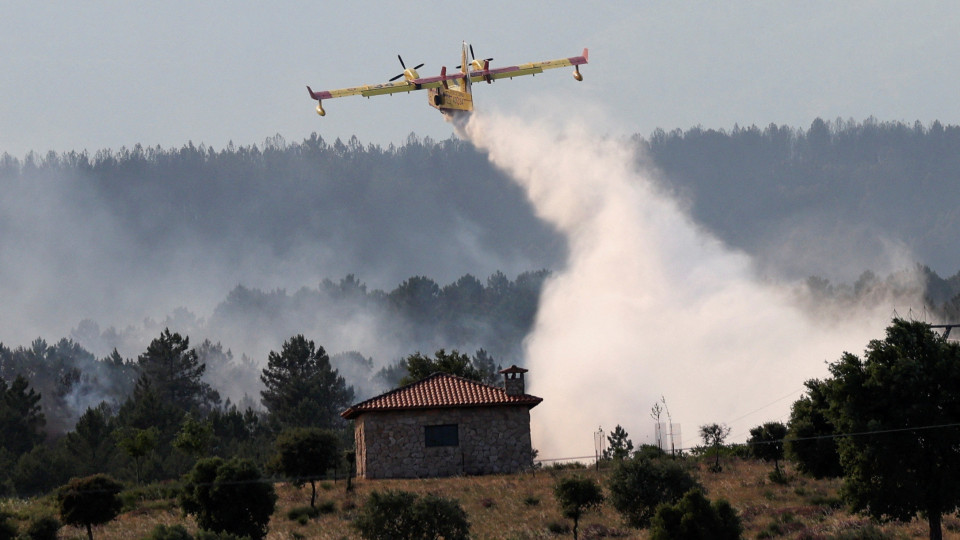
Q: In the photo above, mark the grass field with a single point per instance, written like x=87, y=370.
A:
x=523, y=506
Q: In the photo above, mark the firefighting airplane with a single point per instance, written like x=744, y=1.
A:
x=450, y=94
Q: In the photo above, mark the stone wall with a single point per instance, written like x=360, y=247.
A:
x=390, y=444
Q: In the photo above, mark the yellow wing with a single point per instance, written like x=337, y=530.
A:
x=374, y=89
x=531, y=68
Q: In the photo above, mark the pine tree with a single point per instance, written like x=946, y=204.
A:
x=302, y=389
x=174, y=372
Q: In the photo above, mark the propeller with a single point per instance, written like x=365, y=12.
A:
x=404, y=66
x=472, y=57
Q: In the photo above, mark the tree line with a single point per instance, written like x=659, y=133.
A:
x=387, y=209
x=159, y=415
x=750, y=185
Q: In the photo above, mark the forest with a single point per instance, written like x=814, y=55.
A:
x=226, y=255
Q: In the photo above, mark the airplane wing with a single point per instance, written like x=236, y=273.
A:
x=531, y=68
x=373, y=89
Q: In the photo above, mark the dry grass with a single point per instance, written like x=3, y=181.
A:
x=523, y=507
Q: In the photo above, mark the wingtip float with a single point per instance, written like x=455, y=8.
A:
x=450, y=93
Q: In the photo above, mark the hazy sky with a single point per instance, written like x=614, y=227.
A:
x=91, y=75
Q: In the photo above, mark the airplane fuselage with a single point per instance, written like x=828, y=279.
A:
x=450, y=101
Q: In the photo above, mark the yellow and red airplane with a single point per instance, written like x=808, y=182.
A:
x=450, y=93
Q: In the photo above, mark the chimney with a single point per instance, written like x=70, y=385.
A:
x=513, y=380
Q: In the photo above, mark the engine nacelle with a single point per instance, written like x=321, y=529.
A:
x=320, y=110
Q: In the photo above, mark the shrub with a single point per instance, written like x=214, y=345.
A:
x=44, y=528
x=302, y=513
x=222, y=535
x=8, y=531
x=637, y=486
x=136, y=496
x=327, y=507
x=777, y=476
x=173, y=532
x=92, y=500
x=694, y=517
x=400, y=515
x=228, y=497
x=865, y=532
x=577, y=496
x=649, y=451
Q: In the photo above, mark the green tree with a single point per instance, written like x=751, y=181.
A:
x=417, y=299
x=713, y=436
x=638, y=485
x=41, y=470
x=302, y=389
x=619, y=445
x=400, y=515
x=88, y=501
x=228, y=496
x=811, y=442
x=694, y=517
x=577, y=496
x=901, y=456
x=21, y=417
x=305, y=455
x=175, y=372
x=420, y=367
x=138, y=443
x=766, y=443
x=90, y=443
x=194, y=436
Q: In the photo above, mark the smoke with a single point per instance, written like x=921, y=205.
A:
x=650, y=305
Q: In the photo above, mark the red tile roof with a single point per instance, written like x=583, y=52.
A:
x=440, y=390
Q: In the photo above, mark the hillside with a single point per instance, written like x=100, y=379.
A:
x=145, y=231
x=523, y=507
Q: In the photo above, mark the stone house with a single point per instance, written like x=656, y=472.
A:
x=444, y=425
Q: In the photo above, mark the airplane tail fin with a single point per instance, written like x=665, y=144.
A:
x=465, y=69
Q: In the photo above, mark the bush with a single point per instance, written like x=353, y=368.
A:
x=134, y=497
x=222, y=535
x=865, y=532
x=649, y=451
x=44, y=528
x=88, y=501
x=299, y=512
x=173, y=532
x=637, y=486
x=695, y=518
x=228, y=497
x=577, y=496
x=8, y=531
x=400, y=515
x=777, y=476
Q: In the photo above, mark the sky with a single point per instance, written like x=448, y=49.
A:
x=96, y=75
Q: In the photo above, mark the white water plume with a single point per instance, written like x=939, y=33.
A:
x=650, y=305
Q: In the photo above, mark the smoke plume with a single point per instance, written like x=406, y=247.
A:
x=649, y=305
